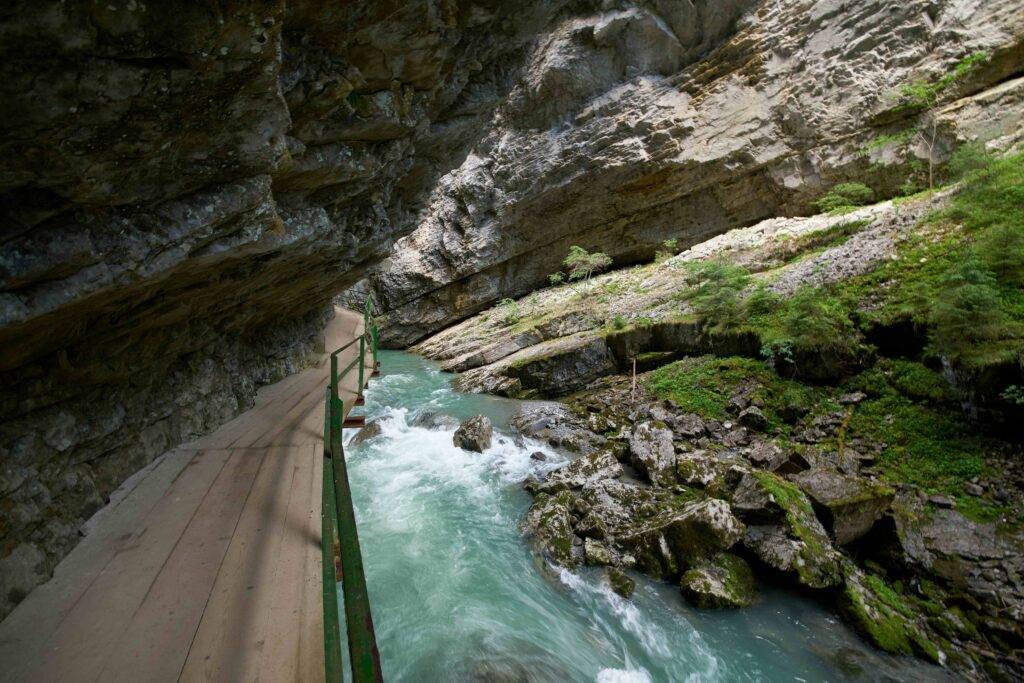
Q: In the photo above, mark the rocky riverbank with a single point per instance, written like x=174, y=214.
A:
x=768, y=489
x=815, y=401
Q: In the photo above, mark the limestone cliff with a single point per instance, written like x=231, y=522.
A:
x=184, y=186
x=652, y=120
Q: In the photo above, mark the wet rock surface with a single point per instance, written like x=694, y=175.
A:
x=658, y=490
x=474, y=434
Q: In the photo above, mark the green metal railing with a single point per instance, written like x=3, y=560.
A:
x=338, y=521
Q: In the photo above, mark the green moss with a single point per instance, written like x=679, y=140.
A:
x=723, y=580
x=704, y=385
x=845, y=197
x=818, y=568
x=884, y=616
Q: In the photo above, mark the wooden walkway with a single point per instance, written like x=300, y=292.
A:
x=208, y=568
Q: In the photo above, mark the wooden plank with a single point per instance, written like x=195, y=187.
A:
x=159, y=633
x=29, y=627
x=230, y=637
x=296, y=609
x=84, y=637
x=157, y=589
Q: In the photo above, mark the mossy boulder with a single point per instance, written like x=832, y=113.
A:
x=620, y=582
x=717, y=473
x=680, y=536
x=549, y=522
x=578, y=473
x=848, y=506
x=652, y=453
x=597, y=553
x=884, y=616
x=786, y=534
x=720, y=581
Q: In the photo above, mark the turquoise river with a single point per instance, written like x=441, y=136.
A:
x=458, y=595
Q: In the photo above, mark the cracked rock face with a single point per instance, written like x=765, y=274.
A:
x=183, y=189
x=645, y=121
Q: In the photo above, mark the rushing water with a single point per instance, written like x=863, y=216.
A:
x=458, y=595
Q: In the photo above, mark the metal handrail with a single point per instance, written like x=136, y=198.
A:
x=337, y=508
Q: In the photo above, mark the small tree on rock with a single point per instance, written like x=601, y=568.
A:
x=925, y=96
x=582, y=264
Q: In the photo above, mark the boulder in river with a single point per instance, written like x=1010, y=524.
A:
x=679, y=536
x=848, y=506
x=474, y=434
x=369, y=430
x=620, y=582
x=577, y=474
x=549, y=522
x=722, y=580
x=429, y=419
x=553, y=423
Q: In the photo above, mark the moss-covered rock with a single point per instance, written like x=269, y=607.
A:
x=652, y=453
x=848, y=506
x=679, y=537
x=789, y=537
x=620, y=582
x=597, y=553
x=581, y=471
x=883, y=616
x=721, y=581
x=549, y=522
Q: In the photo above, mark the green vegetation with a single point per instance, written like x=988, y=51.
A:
x=924, y=96
x=583, y=264
x=669, y=248
x=969, y=292
x=883, y=615
x=556, y=278
x=715, y=297
x=618, y=322
x=704, y=385
x=510, y=314
x=845, y=197
x=927, y=441
x=809, y=321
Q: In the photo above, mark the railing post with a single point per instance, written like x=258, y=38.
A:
x=362, y=644
x=373, y=339
x=332, y=625
x=334, y=378
x=362, y=356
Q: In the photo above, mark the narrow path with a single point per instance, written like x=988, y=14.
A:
x=208, y=567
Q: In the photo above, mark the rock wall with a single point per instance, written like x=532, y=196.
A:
x=184, y=187
x=650, y=120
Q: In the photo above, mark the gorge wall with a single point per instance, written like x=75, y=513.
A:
x=184, y=187
x=645, y=121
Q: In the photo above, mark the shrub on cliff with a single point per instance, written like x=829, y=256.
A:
x=583, y=264
x=845, y=196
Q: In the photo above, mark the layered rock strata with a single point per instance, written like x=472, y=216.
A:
x=656, y=120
